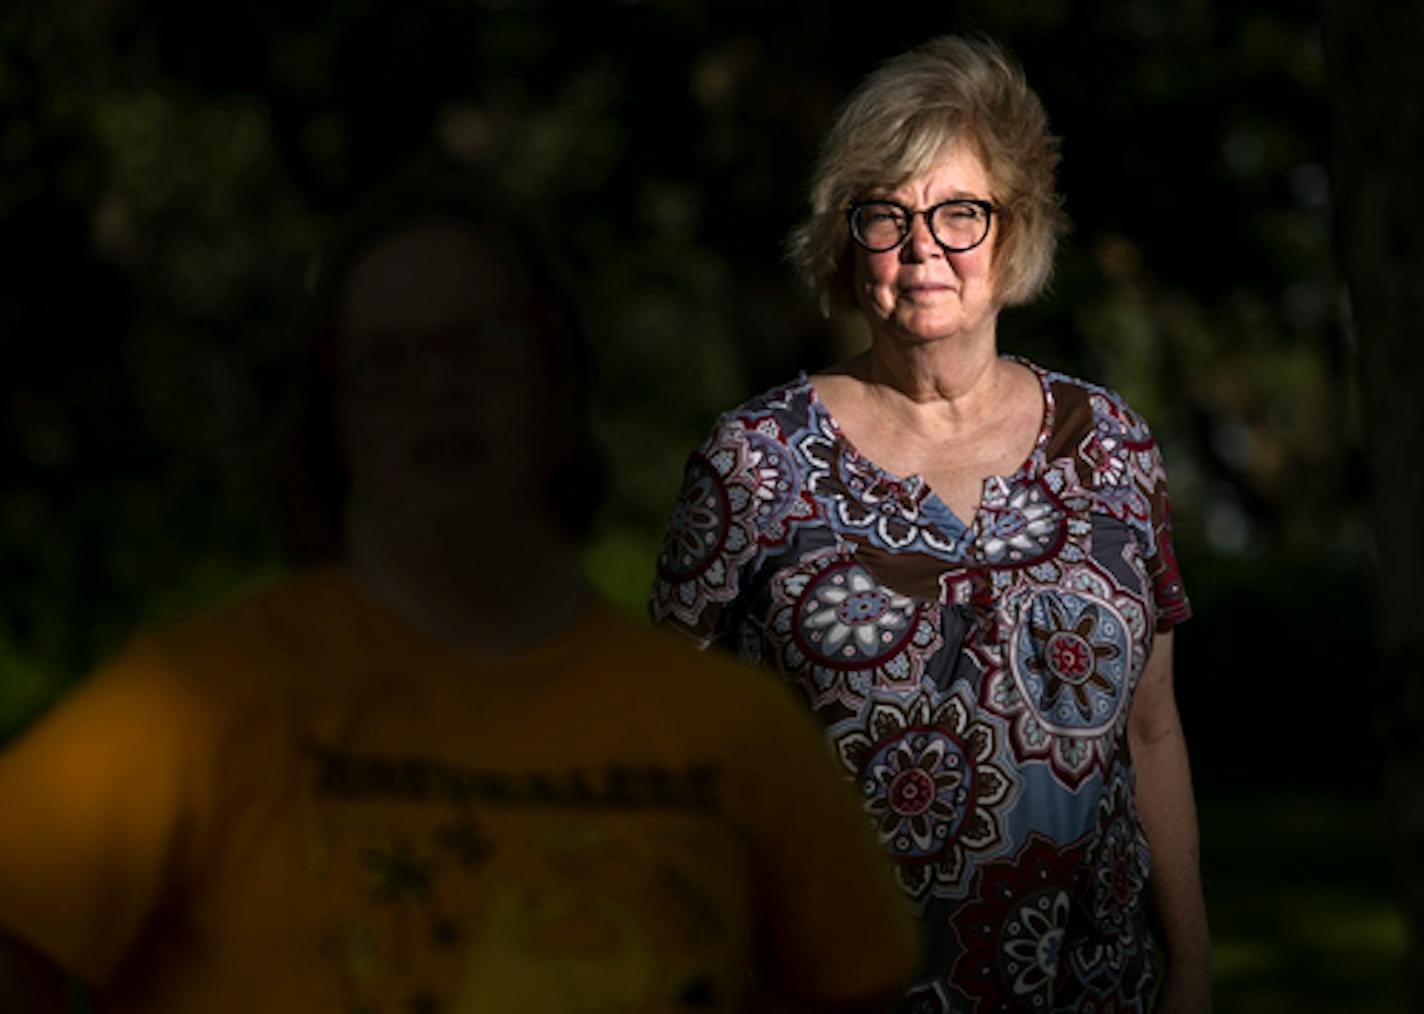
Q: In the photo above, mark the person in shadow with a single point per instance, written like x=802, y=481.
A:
x=430, y=770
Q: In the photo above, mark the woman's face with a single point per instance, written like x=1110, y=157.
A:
x=920, y=292
x=440, y=399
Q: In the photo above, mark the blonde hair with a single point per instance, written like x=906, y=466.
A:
x=902, y=120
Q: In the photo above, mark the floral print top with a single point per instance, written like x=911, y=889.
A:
x=973, y=679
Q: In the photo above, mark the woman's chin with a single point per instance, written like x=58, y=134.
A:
x=922, y=328
x=923, y=331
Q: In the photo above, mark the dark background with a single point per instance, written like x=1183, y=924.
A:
x=167, y=171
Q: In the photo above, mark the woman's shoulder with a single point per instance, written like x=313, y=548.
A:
x=775, y=412
x=788, y=400
x=1099, y=444
x=1082, y=408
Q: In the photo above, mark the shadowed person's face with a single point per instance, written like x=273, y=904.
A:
x=440, y=390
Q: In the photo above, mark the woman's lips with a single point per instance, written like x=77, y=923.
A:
x=925, y=288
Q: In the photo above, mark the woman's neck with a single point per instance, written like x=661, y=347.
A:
x=958, y=382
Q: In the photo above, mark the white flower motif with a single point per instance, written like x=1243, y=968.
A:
x=1033, y=944
x=1105, y=454
x=856, y=606
x=1021, y=525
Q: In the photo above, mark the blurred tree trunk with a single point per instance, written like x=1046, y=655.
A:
x=1375, y=58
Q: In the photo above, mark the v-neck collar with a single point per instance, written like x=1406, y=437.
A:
x=928, y=502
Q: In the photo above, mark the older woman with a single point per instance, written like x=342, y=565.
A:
x=965, y=562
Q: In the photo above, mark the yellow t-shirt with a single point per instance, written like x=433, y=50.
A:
x=293, y=803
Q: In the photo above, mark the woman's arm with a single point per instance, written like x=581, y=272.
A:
x=1164, y=800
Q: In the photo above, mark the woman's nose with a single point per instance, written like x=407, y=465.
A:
x=921, y=242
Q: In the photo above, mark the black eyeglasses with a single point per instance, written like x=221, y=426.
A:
x=958, y=225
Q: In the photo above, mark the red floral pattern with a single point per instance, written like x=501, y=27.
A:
x=974, y=675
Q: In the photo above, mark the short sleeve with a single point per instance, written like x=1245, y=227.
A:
x=1169, y=595
x=833, y=924
x=712, y=537
x=95, y=798
x=1118, y=459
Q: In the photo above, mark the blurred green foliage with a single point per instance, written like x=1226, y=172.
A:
x=166, y=172
x=1304, y=913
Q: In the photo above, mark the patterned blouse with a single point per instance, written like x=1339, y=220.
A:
x=974, y=680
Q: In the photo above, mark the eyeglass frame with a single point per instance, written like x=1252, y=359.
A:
x=988, y=207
